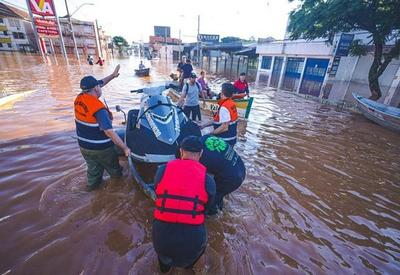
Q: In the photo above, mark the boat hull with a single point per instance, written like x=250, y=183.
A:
x=384, y=115
x=211, y=105
x=143, y=72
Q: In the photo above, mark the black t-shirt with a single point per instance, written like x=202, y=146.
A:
x=221, y=159
x=187, y=70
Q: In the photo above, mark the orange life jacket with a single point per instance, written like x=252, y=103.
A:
x=90, y=136
x=181, y=193
x=229, y=136
x=229, y=104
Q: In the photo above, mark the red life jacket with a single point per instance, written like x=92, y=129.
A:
x=181, y=193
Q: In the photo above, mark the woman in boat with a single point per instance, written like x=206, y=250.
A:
x=241, y=87
x=204, y=86
x=141, y=66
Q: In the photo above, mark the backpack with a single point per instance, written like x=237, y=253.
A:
x=197, y=84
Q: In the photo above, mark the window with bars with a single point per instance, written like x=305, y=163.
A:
x=266, y=62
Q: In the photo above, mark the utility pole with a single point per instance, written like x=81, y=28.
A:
x=35, y=31
x=62, y=46
x=99, y=48
x=72, y=31
x=198, y=39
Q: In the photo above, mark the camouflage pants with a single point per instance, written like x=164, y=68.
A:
x=99, y=160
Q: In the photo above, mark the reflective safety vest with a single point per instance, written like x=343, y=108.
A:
x=229, y=136
x=181, y=193
x=90, y=136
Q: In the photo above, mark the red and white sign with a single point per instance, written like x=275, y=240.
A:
x=46, y=27
x=42, y=7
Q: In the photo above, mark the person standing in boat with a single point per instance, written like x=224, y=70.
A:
x=225, y=120
x=96, y=136
x=241, y=87
x=191, y=91
x=184, y=192
x=204, y=86
x=186, y=69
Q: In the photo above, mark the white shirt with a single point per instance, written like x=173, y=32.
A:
x=224, y=115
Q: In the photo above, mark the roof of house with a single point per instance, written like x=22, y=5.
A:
x=8, y=10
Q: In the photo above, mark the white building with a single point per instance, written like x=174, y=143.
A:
x=316, y=68
x=16, y=31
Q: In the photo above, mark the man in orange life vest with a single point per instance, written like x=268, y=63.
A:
x=225, y=120
x=184, y=193
x=96, y=136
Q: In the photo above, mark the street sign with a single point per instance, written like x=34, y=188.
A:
x=211, y=38
x=344, y=44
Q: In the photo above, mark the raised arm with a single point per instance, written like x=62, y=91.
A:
x=115, y=74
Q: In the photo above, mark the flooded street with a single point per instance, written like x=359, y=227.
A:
x=321, y=196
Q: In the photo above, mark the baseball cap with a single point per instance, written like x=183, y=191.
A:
x=89, y=82
x=191, y=144
x=193, y=75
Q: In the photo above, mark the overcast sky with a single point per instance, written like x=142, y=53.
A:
x=135, y=19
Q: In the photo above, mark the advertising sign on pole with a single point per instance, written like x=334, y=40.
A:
x=45, y=21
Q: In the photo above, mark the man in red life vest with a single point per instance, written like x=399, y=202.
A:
x=96, y=136
x=241, y=87
x=184, y=193
x=225, y=120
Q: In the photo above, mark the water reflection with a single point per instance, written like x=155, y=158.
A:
x=321, y=195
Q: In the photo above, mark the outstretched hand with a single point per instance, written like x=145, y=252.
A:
x=116, y=71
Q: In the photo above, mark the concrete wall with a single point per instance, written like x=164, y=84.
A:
x=352, y=76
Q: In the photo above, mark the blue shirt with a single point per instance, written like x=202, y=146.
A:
x=103, y=119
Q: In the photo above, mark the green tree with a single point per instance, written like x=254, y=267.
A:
x=380, y=18
x=120, y=43
x=230, y=39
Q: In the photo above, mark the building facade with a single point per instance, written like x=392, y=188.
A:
x=320, y=69
x=16, y=31
x=85, y=35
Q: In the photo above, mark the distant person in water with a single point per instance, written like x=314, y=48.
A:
x=141, y=66
x=100, y=61
x=90, y=59
x=241, y=87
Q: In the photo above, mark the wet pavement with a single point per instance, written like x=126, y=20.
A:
x=321, y=194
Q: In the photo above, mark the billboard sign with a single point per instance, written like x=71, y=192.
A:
x=210, y=38
x=162, y=31
x=42, y=7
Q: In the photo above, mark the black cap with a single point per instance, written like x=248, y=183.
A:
x=193, y=75
x=227, y=89
x=191, y=144
x=89, y=82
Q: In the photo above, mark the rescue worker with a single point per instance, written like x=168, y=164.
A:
x=241, y=87
x=222, y=161
x=96, y=136
x=184, y=193
x=225, y=120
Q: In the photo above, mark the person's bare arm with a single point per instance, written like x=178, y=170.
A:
x=182, y=98
x=115, y=74
x=117, y=141
x=222, y=128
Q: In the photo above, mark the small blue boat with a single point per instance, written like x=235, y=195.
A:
x=384, y=115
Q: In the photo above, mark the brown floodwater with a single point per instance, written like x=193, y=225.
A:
x=321, y=194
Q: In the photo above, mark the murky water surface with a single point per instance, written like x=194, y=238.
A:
x=321, y=195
